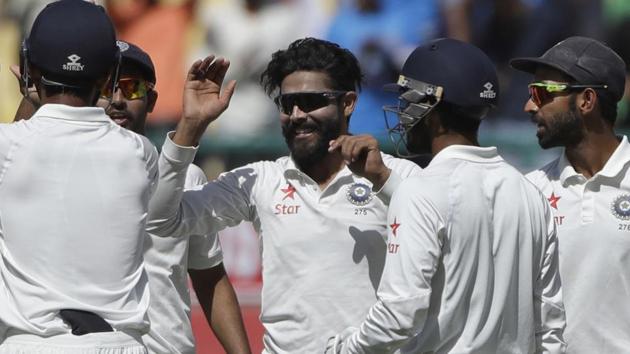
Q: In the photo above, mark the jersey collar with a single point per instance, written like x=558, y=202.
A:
x=78, y=114
x=613, y=167
x=468, y=153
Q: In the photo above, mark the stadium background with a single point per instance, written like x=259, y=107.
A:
x=381, y=33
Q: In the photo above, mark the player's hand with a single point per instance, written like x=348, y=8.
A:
x=203, y=100
x=30, y=99
x=363, y=157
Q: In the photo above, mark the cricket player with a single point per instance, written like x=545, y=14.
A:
x=472, y=263
x=573, y=101
x=72, y=230
x=168, y=260
x=321, y=226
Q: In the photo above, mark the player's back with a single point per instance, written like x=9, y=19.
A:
x=74, y=190
x=493, y=233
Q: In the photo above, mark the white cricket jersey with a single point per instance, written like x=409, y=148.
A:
x=471, y=264
x=167, y=260
x=593, y=222
x=74, y=193
x=322, y=250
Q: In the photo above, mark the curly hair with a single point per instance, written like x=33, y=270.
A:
x=312, y=54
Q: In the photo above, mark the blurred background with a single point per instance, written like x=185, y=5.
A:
x=381, y=33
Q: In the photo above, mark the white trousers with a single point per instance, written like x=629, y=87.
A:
x=91, y=343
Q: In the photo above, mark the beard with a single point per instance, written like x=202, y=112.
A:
x=419, y=138
x=306, y=152
x=563, y=129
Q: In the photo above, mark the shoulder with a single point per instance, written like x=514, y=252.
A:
x=543, y=175
x=403, y=167
x=194, y=176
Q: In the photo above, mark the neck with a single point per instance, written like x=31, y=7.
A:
x=591, y=154
x=325, y=170
x=68, y=100
x=447, y=139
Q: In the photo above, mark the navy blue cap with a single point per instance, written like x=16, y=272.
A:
x=465, y=73
x=132, y=53
x=586, y=60
x=73, y=41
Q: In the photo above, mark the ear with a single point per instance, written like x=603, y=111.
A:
x=152, y=97
x=587, y=101
x=349, y=102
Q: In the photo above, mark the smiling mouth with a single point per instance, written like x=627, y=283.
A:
x=303, y=132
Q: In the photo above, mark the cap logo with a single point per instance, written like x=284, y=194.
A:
x=123, y=46
x=74, y=64
x=488, y=92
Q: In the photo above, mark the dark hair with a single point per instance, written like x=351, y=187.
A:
x=83, y=89
x=607, y=105
x=311, y=54
x=461, y=119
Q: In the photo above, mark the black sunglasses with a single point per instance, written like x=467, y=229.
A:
x=306, y=101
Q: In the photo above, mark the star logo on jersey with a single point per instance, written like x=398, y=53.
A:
x=394, y=227
x=621, y=207
x=553, y=200
x=288, y=192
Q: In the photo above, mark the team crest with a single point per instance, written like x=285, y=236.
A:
x=621, y=207
x=359, y=194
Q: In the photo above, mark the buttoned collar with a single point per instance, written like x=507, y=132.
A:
x=613, y=167
x=468, y=153
x=77, y=114
x=291, y=171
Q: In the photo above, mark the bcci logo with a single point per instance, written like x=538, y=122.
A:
x=621, y=207
x=359, y=194
x=488, y=92
x=74, y=64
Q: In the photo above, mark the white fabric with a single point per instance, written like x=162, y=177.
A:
x=322, y=256
x=74, y=192
x=471, y=264
x=594, y=250
x=91, y=343
x=167, y=260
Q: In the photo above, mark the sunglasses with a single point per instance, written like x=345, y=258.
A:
x=132, y=89
x=543, y=91
x=306, y=101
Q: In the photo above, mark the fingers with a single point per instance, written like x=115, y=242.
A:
x=228, y=91
x=15, y=69
x=352, y=148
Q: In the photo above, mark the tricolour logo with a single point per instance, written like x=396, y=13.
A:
x=621, y=207
x=74, y=64
x=359, y=194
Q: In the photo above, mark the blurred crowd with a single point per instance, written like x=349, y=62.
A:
x=381, y=33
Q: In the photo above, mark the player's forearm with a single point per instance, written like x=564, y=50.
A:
x=220, y=305
x=189, y=132
x=164, y=206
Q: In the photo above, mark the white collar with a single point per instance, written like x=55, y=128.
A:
x=79, y=114
x=468, y=153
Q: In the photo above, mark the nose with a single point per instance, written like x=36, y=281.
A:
x=530, y=107
x=297, y=114
x=118, y=99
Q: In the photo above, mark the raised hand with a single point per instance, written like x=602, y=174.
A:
x=363, y=157
x=203, y=100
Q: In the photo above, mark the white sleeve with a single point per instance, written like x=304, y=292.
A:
x=151, y=156
x=401, y=169
x=549, y=308
x=204, y=251
x=413, y=254
x=203, y=209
